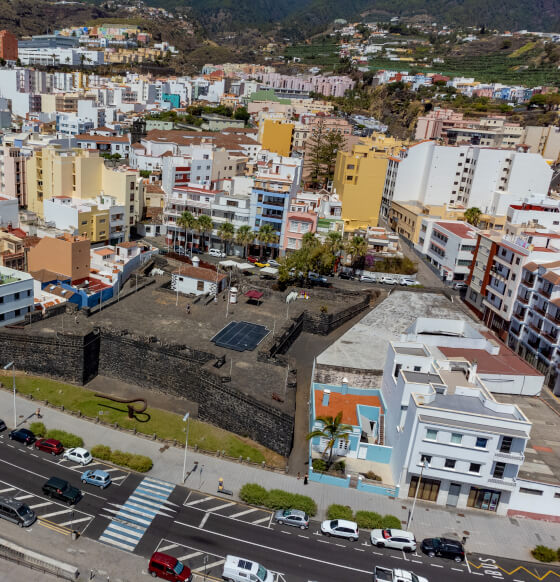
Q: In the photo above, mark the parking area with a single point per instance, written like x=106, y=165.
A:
x=118, y=476
x=227, y=508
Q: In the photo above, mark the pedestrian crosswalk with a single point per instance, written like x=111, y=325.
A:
x=130, y=521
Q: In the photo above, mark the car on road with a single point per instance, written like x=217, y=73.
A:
x=60, y=489
x=389, y=280
x=2, y=425
x=345, y=275
x=382, y=574
x=444, y=547
x=243, y=570
x=22, y=435
x=196, y=251
x=252, y=259
x=78, y=455
x=341, y=528
x=16, y=511
x=260, y=264
x=51, y=446
x=294, y=517
x=96, y=477
x=458, y=285
x=407, y=282
x=217, y=253
x=368, y=277
x=317, y=279
x=273, y=263
x=393, y=538
x=168, y=568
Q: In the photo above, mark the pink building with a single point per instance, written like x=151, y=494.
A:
x=436, y=122
x=13, y=174
x=300, y=220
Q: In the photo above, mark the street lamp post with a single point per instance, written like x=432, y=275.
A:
x=424, y=466
x=186, y=419
x=6, y=367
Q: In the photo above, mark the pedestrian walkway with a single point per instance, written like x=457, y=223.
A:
x=487, y=533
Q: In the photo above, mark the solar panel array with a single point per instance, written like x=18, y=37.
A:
x=240, y=336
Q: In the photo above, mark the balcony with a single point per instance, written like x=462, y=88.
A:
x=272, y=217
x=546, y=291
x=546, y=353
x=539, y=309
x=510, y=456
x=534, y=343
x=549, y=337
x=515, y=331
x=554, y=318
x=528, y=281
x=277, y=203
x=503, y=483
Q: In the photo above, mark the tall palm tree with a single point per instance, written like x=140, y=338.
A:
x=472, y=215
x=188, y=222
x=244, y=237
x=309, y=239
x=332, y=430
x=203, y=225
x=334, y=242
x=358, y=249
x=226, y=232
x=266, y=236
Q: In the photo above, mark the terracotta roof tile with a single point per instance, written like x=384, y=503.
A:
x=199, y=273
x=345, y=403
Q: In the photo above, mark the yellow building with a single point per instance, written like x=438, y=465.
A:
x=359, y=179
x=93, y=223
x=84, y=175
x=277, y=136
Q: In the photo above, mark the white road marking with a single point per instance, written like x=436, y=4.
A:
x=72, y=521
x=198, y=501
x=117, y=544
x=208, y=566
x=7, y=489
x=436, y=565
x=40, y=504
x=359, y=550
x=168, y=547
x=222, y=506
x=204, y=520
x=242, y=513
x=191, y=555
x=260, y=520
x=119, y=478
x=56, y=513
x=24, y=497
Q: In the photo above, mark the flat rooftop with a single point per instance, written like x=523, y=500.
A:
x=365, y=344
x=468, y=404
x=409, y=351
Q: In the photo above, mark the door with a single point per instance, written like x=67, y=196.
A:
x=453, y=495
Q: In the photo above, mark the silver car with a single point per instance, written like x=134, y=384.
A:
x=294, y=517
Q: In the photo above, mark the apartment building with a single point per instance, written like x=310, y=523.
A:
x=359, y=179
x=12, y=251
x=16, y=296
x=8, y=46
x=486, y=178
x=300, y=219
x=67, y=256
x=9, y=215
x=449, y=246
x=105, y=144
x=277, y=136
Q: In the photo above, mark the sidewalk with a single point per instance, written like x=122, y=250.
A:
x=487, y=533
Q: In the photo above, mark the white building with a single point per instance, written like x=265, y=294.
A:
x=16, y=295
x=195, y=280
x=9, y=214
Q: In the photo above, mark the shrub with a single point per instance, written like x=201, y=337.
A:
x=38, y=429
x=253, y=494
x=279, y=499
x=372, y=476
x=368, y=519
x=304, y=503
x=544, y=554
x=336, y=511
x=319, y=465
x=101, y=452
x=68, y=439
x=140, y=463
x=390, y=522
x=340, y=466
x=121, y=458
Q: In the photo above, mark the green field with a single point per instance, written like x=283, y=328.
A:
x=319, y=54
x=164, y=424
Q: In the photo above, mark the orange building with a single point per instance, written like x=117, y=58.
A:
x=66, y=255
x=8, y=46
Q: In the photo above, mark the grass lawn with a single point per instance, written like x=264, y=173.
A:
x=164, y=424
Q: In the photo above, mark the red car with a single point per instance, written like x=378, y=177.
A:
x=169, y=568
x=51, y=446
x=252, y=259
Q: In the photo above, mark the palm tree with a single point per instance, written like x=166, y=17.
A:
x=332, y=430
x=472, y=215
x=244, y=237
x=358, y=249
x=309, y=240
x=266, y=236
x=188, y=222
x=334, y=242
x=204, y=225
x=226, y=232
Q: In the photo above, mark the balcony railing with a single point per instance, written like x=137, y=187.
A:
x=528, y=281
x=555, y=319
x=524, y=299
x=514, y=331
x=549, y=337
x=510, y=456
x=505, y=482
x=539, y=309
x=545, y=291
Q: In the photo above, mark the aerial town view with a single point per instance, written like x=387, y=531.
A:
x=280, y=290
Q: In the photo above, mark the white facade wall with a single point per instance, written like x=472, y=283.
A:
x=542, y=500
x=16, y=295
x=9, y=212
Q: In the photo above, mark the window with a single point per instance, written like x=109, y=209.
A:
x=506, y=444
x=431, y=434
x=532, y=491
x=456, y=438
x=499, y=469
x=425, y=459
x=517, y=261
x=481, y=442
x=450, y=463
x=474, y=468
x=200, y=285
x=397, y=370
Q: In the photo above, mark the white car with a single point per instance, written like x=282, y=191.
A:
x=217, y=253
x=368, y=277
x=389, y=280
x=78, y=455
x=394, y=538
x=341, y=528
x=273, y=263
x=405, y=281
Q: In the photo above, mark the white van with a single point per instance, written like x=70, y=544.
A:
x=216, y=253
x=242, y=570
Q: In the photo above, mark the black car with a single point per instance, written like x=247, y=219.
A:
x=444, y=547
x=22, y=435
x=345, y=275
x=196, y=251
x=317, y=279
x=2, y=425
x=61, y=489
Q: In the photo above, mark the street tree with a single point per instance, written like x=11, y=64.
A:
x=226, y=232
x=357, y=247
x=203, y=225
x=472, y=215
x=244, y=237
x=266, y=236
x=188, y=222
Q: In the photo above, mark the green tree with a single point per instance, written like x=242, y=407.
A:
x=266, y=236
x=332, y=430
x=320, y=160
x=333, y=143
x=203, y=225
x=334, y=242
x=244, y=237
x=226, y=232
x=357, y=247
x=188, y=222
x=242, y=113
x=472, y=215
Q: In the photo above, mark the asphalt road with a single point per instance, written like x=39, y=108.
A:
x=140, y=515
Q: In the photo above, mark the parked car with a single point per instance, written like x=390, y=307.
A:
x=252, y=259
x=273, y=263
x=407, y=282
x=261, y=264
x=169, y=568
x=294, y=517
x=341, y=528
x=51, y=446
x=388, y=280
x=22, y=435
x=16, y=511
x=345, y=275
x=96, y=477
x=60, y=489
x=78, y=455
x=2, y=425
x=458, y=285
x=368, y=277
x=242, y=570
x=444, y=547
x=382, y=574
x=196, y=251
x=394, y=538
x=217, y=253
x=317, y=279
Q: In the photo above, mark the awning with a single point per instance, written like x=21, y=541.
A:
x=253, y=294
x=269, y=271
x=228, y=263
x=244, y=266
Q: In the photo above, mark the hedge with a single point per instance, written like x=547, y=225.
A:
x=38, y=429
x=364, y=519
x=68, y=440
x=368, y=519
x=254, y=494
x=544, y=554
x=139, y=463
x=336, y=511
